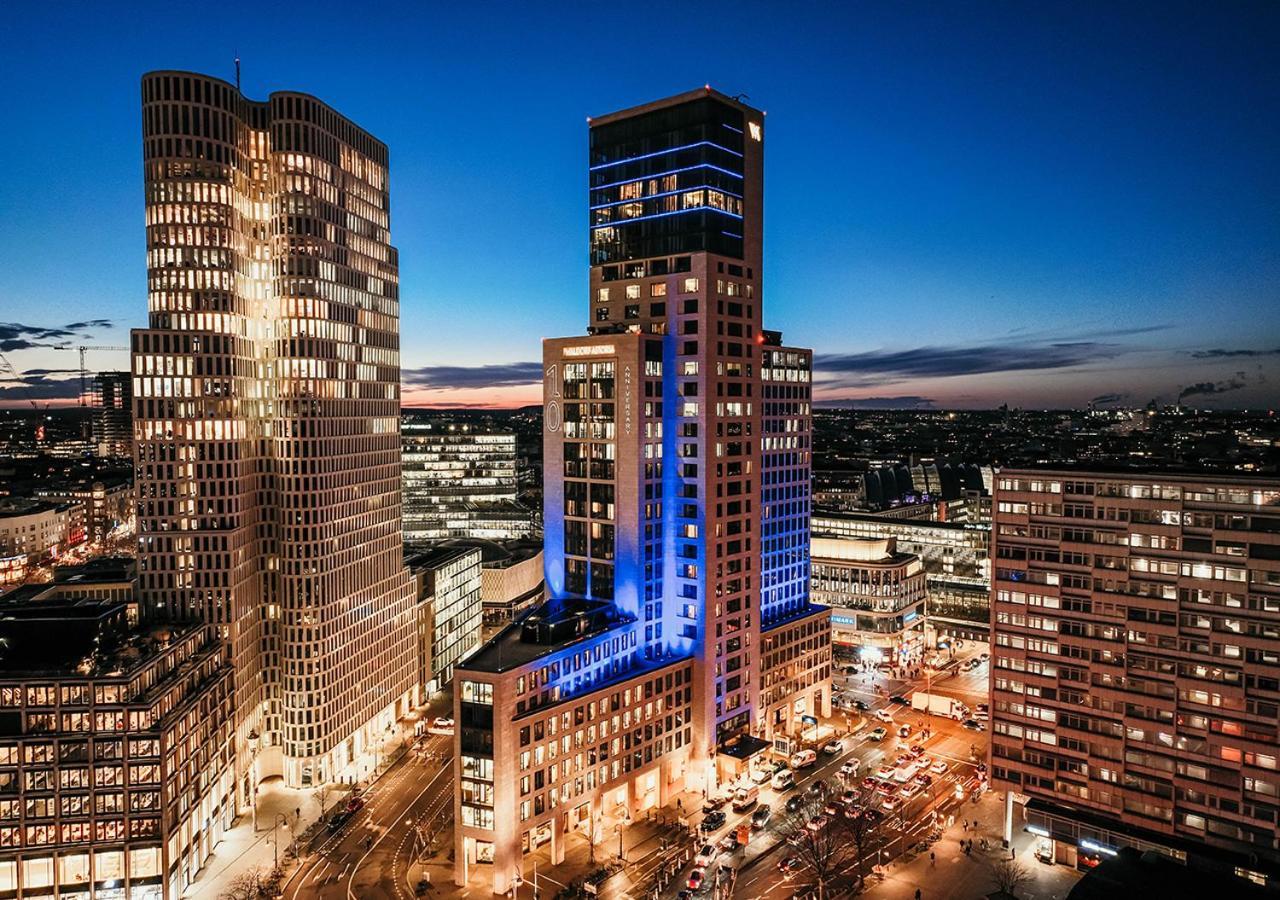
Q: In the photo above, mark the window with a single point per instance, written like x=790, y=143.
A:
x=658, y=289
x=689, y=286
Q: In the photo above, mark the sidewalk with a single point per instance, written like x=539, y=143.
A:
x=954, y=875
x=283, y=815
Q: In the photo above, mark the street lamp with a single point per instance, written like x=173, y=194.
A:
x=626, y=820
x=275, y=834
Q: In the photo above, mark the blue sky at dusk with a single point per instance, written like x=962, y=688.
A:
x=966, y=204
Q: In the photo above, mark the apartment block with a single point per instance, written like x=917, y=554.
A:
x=1136, y=665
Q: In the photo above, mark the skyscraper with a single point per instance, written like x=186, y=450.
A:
x=266, y=415
x=676, y=500
x=113, y=414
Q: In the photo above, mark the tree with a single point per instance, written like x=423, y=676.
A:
x=831, y=849
x=1009, y=875
x=245, y=886
x=321, y=794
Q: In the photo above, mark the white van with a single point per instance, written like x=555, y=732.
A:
x=783, y=779
x=803, y=759
x=746, y=798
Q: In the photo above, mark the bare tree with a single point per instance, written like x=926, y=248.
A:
x=829, y=847
x=322, y=793
x=245, y=886
x=1009, y=875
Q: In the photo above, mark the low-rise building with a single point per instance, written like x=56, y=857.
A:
x=116, y=752
x=876, y=594
x=35, y=532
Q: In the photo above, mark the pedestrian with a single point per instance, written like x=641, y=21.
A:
x=932, y=858
x=917, y=893
x=965, y=825
x=1013, y=854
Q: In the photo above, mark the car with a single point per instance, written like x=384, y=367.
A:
x=760, y=776
x=711, y=804
x=923, y=779
x=355, y=804
x=817, y=789
x=983, y=708
x=870, y=783
x=916, y=750
x=817, y=823
x=899, y=698
x=938, y=768
x=851, y=670
x=713, y=820
x=982, y=715
x=337, y=820
x=789, y=866
x=833, y=808
x=745, y=798
x=783, y=779
x=904, y=731
x=883, y=715
x=873, y=816
x=833, y=747
x=729, y=843
x=696, y=878
x=887, y=787
x=849, y=796
x=684, y=895
x=891, y=804
x=706, y=856
x=849, y=769
x=861, y=705
x=440, y=725
x=1044, y=850
x=974, y=725
x=904, y=759
x=924, y=762
x=803, y=759
x=877, y=734
x=794, y=802
x=761, y=816
x=984, y=656
x=886, y=771
x=910, y=789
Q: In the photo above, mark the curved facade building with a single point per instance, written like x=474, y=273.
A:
x=266, y=400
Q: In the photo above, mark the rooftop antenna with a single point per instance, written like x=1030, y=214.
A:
x=739, y=97
x=237, y=71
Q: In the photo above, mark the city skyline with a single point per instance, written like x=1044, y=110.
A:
x=1063, y=210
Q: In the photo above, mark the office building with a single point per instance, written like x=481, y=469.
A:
x=267, y=417
x=113, y=414
x=677, y=635
x=448, y=581
x=956, y=563
x=107, y=501
x=459, y=482
x=1136, y=665
x=877, y=598
x=116, y=751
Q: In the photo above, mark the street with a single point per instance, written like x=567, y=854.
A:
x=370, y=855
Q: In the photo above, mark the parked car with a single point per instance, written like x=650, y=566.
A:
x=783, y=779
x=833, y=747
x=760, y=776
x=711, y=804
x=706, y=856
x=803, y=759
x=877, y=734
x=440, y=725
x=355, y=804
x=761, y=816
x=745, y=798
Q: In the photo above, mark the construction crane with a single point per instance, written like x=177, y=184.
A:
x=16, y=378
x=84, y=371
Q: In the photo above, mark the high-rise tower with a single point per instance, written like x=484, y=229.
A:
x=266, y=400
x=676, y=500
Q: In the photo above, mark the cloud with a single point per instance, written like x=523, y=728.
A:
x=1205, y=388
x=861, y=369
x=909, y=401
x=470, y=377
x=1107, y=399
x=34, y=385
x=17, y=336
x=1219, y=353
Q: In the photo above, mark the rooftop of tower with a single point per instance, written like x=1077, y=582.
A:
x=674, y=100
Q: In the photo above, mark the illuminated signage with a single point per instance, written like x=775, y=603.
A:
x=754, y=128
x=588, y=350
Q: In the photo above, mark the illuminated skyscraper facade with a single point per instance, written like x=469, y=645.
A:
x=676, y=499
x=266, y=415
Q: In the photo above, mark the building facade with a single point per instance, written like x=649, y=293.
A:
x=266, y=415
x=116, y=752
x=460, y=482
x=35, y=533
x=450, y=610
x=877, y=598
x=1136, y=664
x=675, y=513
x=113, y=414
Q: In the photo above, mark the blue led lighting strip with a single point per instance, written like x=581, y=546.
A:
x=620, y=162
x=678, y=212
x=697, y=187
x=600, y=187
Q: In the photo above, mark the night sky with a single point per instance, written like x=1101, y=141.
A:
x=966, y=204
